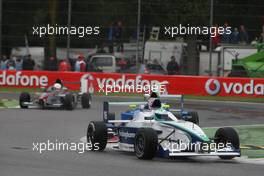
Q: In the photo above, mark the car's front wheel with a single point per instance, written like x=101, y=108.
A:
x=97, y=135
x=226, y=135
x=146, y=143
x=68, y=102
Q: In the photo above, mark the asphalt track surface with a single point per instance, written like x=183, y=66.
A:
x=20, y=128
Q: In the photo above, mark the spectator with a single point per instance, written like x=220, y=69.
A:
x=38, y=67
x=225, y=36
x=28, y=63
x=64, y=65
x=122, y=63
x=243, y=35
x=118, y=36
x=80, y=65
x=155, y=62
x=110, y=34
x=216, y=37
x=11, y=63
x=19, y=63
x=235, y=36
x=3, y=63
x=52, y=64
x=72, y=62
x=90, y=66
x=173, y=67
x=10, y=66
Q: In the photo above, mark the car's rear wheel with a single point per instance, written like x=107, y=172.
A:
x=97, y=135
x=23, y=98
x=68, y=102
x=86, y=100
x=227, y=135
x=194, y=117
x=146, y=143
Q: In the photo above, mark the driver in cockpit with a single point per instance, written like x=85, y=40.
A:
x=153, y=101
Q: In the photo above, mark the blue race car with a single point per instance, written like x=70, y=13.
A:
x=154, y=130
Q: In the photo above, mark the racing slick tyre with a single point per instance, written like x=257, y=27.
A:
x=86, y=101
x=97, y=135
x=194, y=117
x=227, y=135
x=24, y=97
x=146, y=143
x=68, y=102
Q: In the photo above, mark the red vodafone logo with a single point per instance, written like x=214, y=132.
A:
x=212, y=86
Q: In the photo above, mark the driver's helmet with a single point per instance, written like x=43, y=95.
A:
x=154, y=103
x=59, y=81
x=154, y=95
x=57, y=86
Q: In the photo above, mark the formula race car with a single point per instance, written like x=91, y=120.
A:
x=55, y=96
x=153, y=130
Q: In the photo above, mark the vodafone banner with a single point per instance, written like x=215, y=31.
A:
x=131, y=83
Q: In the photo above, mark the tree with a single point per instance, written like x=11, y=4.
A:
x=50, y=48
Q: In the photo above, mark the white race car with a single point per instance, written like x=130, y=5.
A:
x=55, y=96
x=156, y=131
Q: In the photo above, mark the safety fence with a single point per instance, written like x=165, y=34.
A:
x=135, y=83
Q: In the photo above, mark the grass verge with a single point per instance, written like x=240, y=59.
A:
x=8, y=103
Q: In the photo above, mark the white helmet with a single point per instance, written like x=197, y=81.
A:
x=57, y=86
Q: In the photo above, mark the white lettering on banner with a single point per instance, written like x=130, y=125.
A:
x=249, y=88
x=87, y=84
x=18, y=79
x=110, y=85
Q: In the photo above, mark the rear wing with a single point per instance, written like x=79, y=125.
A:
x=167, y=97
x=106, y=105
